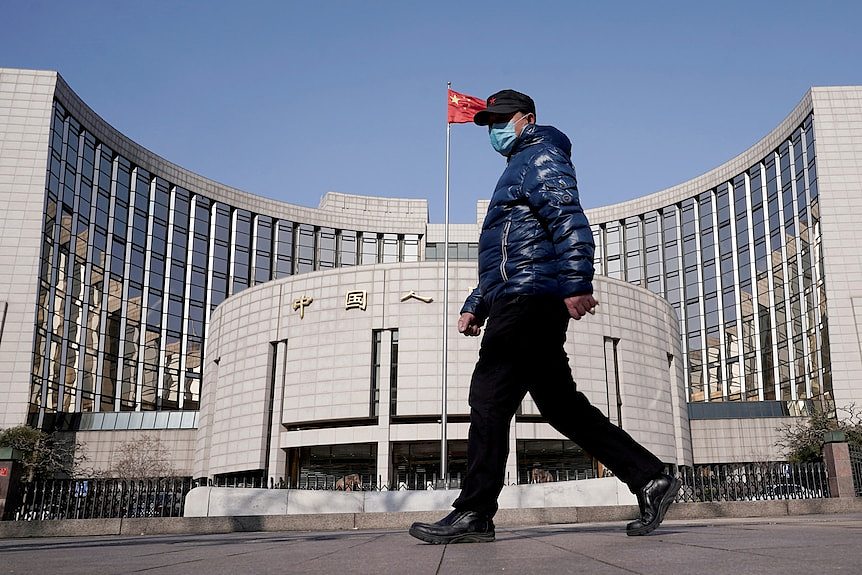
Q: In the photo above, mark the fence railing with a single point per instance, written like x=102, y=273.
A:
x=337, y=482
x=856, y=464
x=165, y=497
x=743, y=482
x=753, y=482
x=103, y=498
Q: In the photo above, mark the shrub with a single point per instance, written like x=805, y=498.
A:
x=802, y=441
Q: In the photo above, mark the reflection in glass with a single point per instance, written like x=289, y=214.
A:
x=263, y=250
x=284, y=249
x=132, y=265
x=241, y=251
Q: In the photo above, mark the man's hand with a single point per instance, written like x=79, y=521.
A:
x=468, y=325
x=580, y=305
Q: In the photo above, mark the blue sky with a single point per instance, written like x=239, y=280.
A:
x=291, y=99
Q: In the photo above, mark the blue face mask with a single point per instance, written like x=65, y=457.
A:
x=503, y=135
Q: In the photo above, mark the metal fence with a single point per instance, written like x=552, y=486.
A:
x=165, y=497
x=753, y=482
x=103, y=498
x=856, y=463
x=399, y=481
x=336, y=482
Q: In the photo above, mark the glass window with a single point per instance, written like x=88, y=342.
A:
x=614, y=239
x=175, y=419
x=369, y=248
x=347, y=248
x=136, y=265
x=390, y=248
x=599, y=257
x=305, y=248
x=326, y=248
x=263, y=250
x=121, y=221
x=634, y=241
x=284, y=249
x=241, y=251
x=707, y=231
x=613, y=249
x=411, y=249
x=473, y=251
x=189, y=419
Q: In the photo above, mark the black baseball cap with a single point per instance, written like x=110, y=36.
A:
x=505, y=102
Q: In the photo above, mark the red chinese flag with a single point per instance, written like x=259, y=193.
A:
x=462, y=107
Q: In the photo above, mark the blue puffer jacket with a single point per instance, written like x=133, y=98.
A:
x=535, y=238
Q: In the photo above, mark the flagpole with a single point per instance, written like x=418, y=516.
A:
x=444, y=455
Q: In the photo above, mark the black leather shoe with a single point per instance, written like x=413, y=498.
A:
x=457, y=527
x=654, y=499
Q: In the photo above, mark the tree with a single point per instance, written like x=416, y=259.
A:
x=144, y=456
x=45, y=455
x=802, y=441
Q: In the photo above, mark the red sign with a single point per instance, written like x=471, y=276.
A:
x=4, y=471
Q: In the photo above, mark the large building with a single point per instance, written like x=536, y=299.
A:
x=258, y=337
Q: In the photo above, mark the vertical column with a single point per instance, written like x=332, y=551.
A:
x=128, y=390
x=211, y=246
x=100, y=337
x=383, y=388
x=145, y=294
x=511, y=474
x=732, y=190
x=252, y=250
x=231, y=252
x=384, y=457
x=161, y=392
x=184, y=389
x=723, y=371
x=810, y=324
x=701, y=310
x=276, y=461
x=65, y=270
x=84, y=370
x=612, y=384
x=784, y=291
x=770, y=250
x=677, y=410
x=72, y=381
x=680, y=266
x=4, y=308
x=759, y=380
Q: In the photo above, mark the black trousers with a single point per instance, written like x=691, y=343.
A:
x=522, y=351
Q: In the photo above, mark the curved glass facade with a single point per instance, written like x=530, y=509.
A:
x=132, y=265
x=742, y=265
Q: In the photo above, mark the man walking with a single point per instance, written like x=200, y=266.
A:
x=535, y=273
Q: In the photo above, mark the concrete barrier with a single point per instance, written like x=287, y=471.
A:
x=227, y=501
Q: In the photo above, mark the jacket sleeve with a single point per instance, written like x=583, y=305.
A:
x=475, y=304
x=551, y=189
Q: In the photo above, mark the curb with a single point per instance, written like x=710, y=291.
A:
x=402, y=520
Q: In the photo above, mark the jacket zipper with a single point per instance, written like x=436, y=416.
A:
x=504, y=247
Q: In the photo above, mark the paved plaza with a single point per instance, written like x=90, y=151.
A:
x=786, y=546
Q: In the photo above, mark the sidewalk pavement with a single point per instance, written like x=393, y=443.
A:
x=763, y=546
